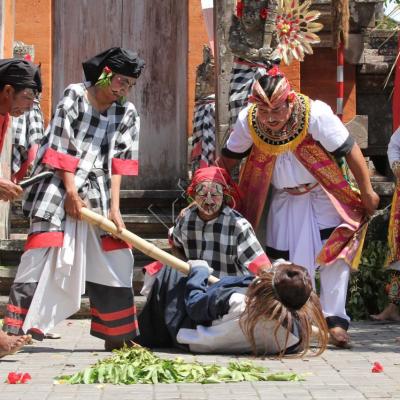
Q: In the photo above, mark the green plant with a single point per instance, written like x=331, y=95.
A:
x=132, y=365
x=366, y=293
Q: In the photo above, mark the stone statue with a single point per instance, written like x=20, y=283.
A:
x=22, y=50
x=205, y=75
x=252, y=34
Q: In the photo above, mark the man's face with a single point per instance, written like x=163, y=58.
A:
x=209, y=196
x=21, y=102
x=274, y=118
x=121, y=86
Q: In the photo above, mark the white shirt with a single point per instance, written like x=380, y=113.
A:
x=324, y=126
x=394, y=147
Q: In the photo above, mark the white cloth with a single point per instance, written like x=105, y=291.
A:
x=294, y=223
x=61, y=273
x=394, y=147
x=226, y=336
x=334, y=281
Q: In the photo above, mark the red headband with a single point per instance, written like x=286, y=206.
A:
x=218, y=175
x=280, y=94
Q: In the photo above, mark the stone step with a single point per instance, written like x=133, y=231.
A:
x=145, y=224
x=383, y=188
x=11, y=251
x=84, y=311
x=132, y=201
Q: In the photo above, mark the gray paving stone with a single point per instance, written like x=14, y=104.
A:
x=338, y=374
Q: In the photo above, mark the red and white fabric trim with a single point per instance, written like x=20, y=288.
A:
x=44, y=239
x=59, y=160
x=124, y=167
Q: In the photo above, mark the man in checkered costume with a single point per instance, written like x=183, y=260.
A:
x=227, y=242
x=211, y=230
x=20, y=83
x=90, y=143
x=244, y=74
x=27, y=132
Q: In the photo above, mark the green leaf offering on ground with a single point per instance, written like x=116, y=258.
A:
x=133, y=365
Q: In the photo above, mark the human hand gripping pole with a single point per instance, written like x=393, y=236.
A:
x=143, y=245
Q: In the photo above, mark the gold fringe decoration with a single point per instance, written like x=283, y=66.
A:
x=393, y=246
x=276, y=149
x=340, y=22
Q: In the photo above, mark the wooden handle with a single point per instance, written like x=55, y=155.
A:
x=143, y=245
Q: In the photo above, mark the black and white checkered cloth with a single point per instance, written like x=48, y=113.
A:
x=228, y=243
x=242, y=78
x=27, y=131
x=203, y=136
x=79, y=131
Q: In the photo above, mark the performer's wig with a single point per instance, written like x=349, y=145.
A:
x=284, y=294
x=272, y=89
x=219, y=175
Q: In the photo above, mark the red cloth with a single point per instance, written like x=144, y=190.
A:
x=221, y=176
x=3, y=128
x=396, y=92
x=124, y=167
x=59, y=160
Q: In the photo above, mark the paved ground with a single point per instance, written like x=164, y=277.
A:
x=338, y=374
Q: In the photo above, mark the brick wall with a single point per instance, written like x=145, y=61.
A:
x=318, y=80
x=197, y=39
x=9, y=18
x=33, y=25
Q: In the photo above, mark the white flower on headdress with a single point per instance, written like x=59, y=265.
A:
x=296, y=29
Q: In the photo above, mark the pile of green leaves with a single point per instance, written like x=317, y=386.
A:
x=366, y=293
x=138, y=365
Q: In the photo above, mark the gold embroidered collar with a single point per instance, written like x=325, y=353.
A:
x=290, y=136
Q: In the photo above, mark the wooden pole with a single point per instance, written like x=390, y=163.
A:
x=143, y=245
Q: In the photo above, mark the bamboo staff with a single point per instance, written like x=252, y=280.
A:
x=143, y=245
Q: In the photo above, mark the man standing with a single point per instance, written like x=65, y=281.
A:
x=19, y=84
x=315, y=218
x=90, y=144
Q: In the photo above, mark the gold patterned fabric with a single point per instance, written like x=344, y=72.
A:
x=394, y=228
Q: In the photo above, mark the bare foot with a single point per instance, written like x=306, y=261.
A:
x=390, y=313
x=12, y=344
x=339, y=337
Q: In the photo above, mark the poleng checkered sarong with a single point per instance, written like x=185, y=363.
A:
x=203, y=136
x=244, y=73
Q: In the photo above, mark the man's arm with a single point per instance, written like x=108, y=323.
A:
x=73, y=202
x=115, y=214
x=358, y=167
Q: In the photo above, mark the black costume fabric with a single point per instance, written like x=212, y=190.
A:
x=121, y=61
x=20, y=73
x=164, y=312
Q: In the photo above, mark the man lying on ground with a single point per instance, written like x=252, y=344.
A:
x=271, y=313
